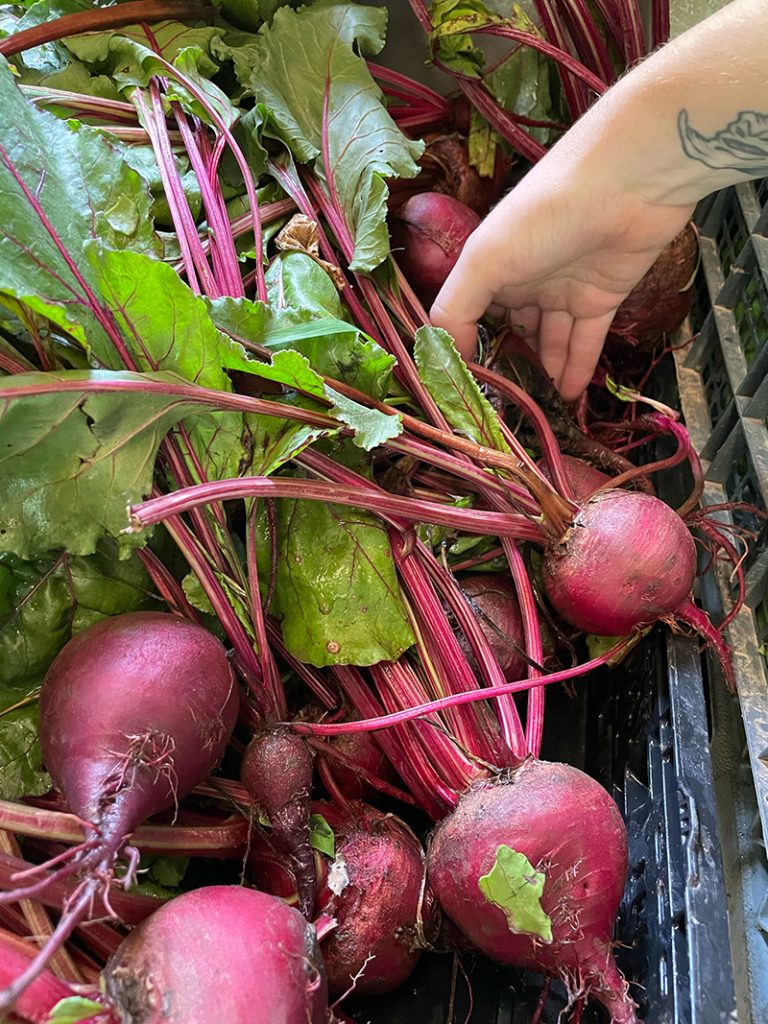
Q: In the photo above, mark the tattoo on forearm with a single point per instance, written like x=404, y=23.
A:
x=741, y=146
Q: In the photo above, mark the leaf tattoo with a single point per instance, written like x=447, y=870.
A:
x=741, y=146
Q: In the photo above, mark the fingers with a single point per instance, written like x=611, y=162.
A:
x=553, y=342
x=569, y=349
x=584, y=348
x=462, y=300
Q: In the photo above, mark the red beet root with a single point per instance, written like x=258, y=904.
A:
x=134, y=712
x=378, y=910
x=658, y=305
x=627, y=560
x=220, y=953
x=362, y=748
x=277, y=772
x=494, y=601
x=432, y=229
x=573, y=837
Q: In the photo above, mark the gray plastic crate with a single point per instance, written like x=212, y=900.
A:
x=723, y=385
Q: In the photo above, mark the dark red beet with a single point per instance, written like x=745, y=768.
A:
x=378, y=910
x=494, y=601
x=362, y=748
x=657, y=306
x=570, y=830
x=432, y=229
x=221, y=953
x=135, y=711
x=277, y=771
x=445, y=162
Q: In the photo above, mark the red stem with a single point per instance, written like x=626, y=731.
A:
x=103, y=18
x=691, y=614
x=490, y=693
x=398, y=745
x=388, y=506
x=35, y=1005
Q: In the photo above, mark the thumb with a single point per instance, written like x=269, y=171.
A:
x=457, y=309
x=463, y=333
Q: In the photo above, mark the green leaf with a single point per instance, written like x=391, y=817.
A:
x=453, y=17
x=514, y=885
x=72, y=461
x=294, y=279
x=597, y=646
x=454, y=389
x=50, y=57
x=334, y=348
x=84, y=190
x=21, y=762
x=46, y=601
x=371, y=426
x=321, y=836
x=169, y=871
x=195, y=594
x=521, y=84
x=336, y=588
x=312, y=60
x=167, y=327
x=276, y=441
x=106, y=50
x=75, y=1009
x=482, y=144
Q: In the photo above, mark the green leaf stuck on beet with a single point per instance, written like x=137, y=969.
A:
x=514, y=885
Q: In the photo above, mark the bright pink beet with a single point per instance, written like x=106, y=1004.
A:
x=135, y=711
x=432, y=229
x=378, y=909
x=571, y=831
x=627, y=560
x=277, y=771
x=221, y=953
x=494, y=601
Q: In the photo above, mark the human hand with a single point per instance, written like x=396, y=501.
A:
x=558, y=254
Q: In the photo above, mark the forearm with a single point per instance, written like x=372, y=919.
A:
x=690, y=119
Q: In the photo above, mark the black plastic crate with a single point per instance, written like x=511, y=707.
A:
x=642, y=731
x=723, y=386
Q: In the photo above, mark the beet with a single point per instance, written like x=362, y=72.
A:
x=494, y=601
x=570, y=831
x=277, y=771
x=364, y=750
x=583, y=478
x=220, y=953
x=432, y=229
x=626, y=560
x=378, y=910
x=657, y=306
x=445, y=163
x=135, y=711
